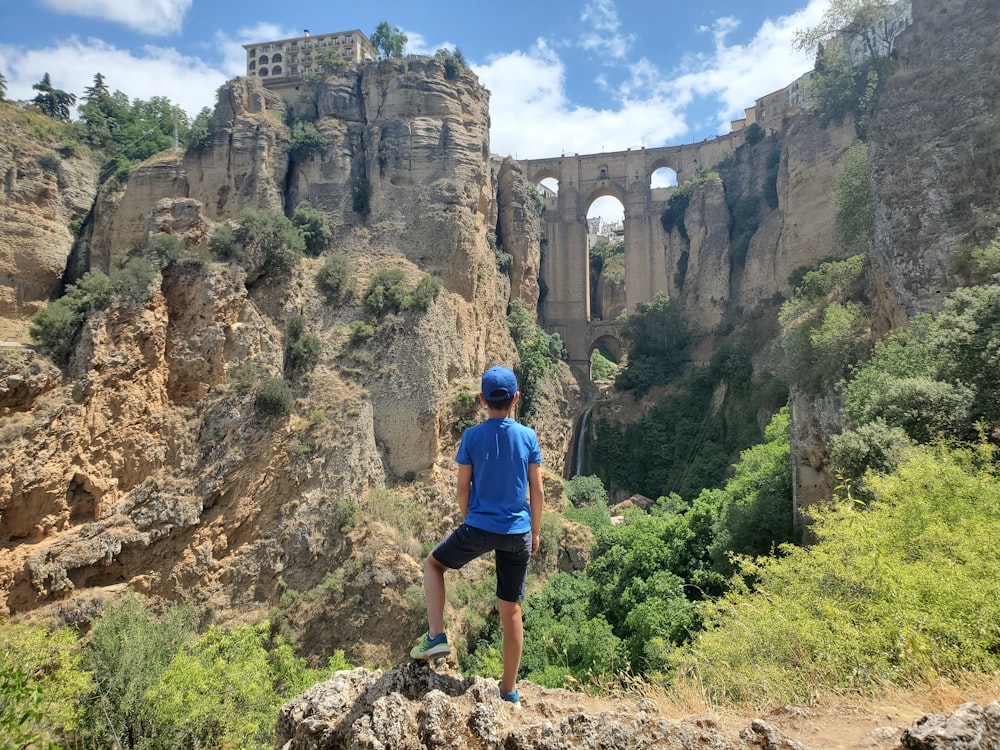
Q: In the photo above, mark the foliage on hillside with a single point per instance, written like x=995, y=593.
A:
x=141, y=680
x=902, y=591
x=538, y=353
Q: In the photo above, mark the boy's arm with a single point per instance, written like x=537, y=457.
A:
x=464, y=488
x=536, y=499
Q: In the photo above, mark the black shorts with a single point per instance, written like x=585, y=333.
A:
x=513, y=551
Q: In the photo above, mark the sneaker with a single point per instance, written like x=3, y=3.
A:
x=428, y=647
x=512, y=698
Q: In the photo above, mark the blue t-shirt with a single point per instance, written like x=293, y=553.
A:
x=499, y=451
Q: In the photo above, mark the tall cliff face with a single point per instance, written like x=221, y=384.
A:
x=46, y=185
x=935, y=150
x=147, y=464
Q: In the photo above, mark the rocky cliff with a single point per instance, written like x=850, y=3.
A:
x=145, y=463
x=47, y=185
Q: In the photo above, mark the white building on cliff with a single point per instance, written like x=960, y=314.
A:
x=292, y=58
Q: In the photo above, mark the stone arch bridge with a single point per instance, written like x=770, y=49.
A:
x=565, y=267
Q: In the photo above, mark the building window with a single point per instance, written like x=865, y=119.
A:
x=276, y=58
x=263, y=60
x=295, y=71
x=276, y=70
x=253, y=64
x=263, y=73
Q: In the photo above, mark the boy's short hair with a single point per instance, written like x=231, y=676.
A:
x=502, y=405
x=499, y=387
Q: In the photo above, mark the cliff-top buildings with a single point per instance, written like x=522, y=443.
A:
x=292, y=58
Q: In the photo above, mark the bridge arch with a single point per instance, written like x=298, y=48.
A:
x=650, y=261
x=610, y=343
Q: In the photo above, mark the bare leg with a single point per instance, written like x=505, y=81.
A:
x=434, y=595
x=513, y=642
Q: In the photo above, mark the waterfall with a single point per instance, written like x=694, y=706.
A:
x=580, y=451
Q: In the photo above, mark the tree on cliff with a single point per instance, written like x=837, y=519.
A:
x=52, y=101
x=866, y=27
x=854, y=46
x=390, y=41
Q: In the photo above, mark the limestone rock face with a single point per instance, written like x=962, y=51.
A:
x=933, y=158
x=800, y=231
x=519, y=230
x=44, y=187
x=147, y=462
x=706, y=286
x=968, y=727
x=242, y=167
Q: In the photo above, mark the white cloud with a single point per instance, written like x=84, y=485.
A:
x=155, y=71
x=157, y=17
x=532, y=117
x=602, y=15
x=737, y=75
x=604, y=37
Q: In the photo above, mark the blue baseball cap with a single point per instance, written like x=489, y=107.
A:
x=499, y=383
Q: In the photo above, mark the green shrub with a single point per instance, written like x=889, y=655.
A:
x=361, y=196
x=43, y=685
x=128, y=650
x=132, y=282
x=305, y=140
x=428, y=289
x=163, y=249
x=314, y=228
x=855, y=217
x=873, y=446
x=387, y=292
x=744, y=220
x=200, y=137
x=20, y=709
x=673, y=215
x=823, y=337
x=223, y=244
x=49, y=162
x=753, y=133
x=538, y=352
x=345, y=513
x=273, y=236
x=454, y=62
x=361, y=331
x=274, y=397
x=335, y=279
x=244, y=667
x=900, y=593
x=586, y=491
x=302, y=349
x=771, y=178
x=56, y=327
x=755, y=513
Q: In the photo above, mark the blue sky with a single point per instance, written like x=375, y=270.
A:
x=565, y=76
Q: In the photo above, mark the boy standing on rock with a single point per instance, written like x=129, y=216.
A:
x=500, y=496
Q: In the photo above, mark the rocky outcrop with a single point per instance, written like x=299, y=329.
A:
x=413, y=706
x=146, y=463
x=969, y=727
x=519, y=230
x=243, y=166
x=44, y=186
